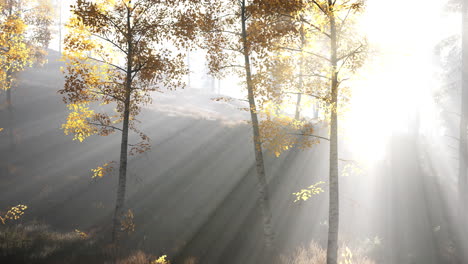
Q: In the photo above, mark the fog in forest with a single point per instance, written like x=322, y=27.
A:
x=295, y=132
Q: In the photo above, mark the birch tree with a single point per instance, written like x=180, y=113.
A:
x=453, y=55
x=230, y=43
x=463, y=136
x=463, y=171
x=345, y=55
x=332, y=54
x=239, y=36
x=117, y=52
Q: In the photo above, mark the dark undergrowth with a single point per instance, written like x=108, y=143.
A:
x=36, y=243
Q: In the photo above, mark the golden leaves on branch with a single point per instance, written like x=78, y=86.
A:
x=78, y=122
x=142, y=146
x=103, y=68
x=282, y=132
x=15, y=213
x=306, y=194
x=352, y=167
x=103, y=170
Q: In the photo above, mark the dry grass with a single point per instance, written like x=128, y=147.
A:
x=314, y=254
x=37, y=243
x=35, y=239
x=138, y=257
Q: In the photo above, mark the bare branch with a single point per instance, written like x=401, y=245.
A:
x=343, y=21
x=231, y=66
x=110, y=95
x=102, y=125
x=310, y=135
x=355, y=51
x=346, y=160
x=224, y=31
x=311, y=95
x=108, y=63
x=320, y=7
x=308, y=52
x=316, y=75
x=109, y=41
x=308, y=23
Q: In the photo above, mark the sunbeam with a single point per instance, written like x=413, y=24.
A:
x=233, y=131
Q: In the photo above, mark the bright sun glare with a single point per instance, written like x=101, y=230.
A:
x=399, y=77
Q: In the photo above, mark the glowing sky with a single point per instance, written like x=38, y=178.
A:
x=400, y=74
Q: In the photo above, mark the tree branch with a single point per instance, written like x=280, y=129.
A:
x=343, y=21
x=308, y=52
x=230, y=66
x=320, y=7
x=346, y=160
x=224, y=31
x=102, y=125
x=355, y=51
x=310, y=135
x=316, y=75
x=108, y=63
x=109, y=41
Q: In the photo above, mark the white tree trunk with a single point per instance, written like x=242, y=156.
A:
x=262, y=182
x=334, y=201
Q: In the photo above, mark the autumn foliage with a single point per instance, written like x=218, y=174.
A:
x=24, y=36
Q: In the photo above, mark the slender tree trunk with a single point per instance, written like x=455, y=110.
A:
x=301, y=80
x=120, y=202
x=8, y=92
x=60, y=26
x=462, y=166
x=334, y=206
x=189, y=79
x=263, y=186
x=297, y=116
x=8, y=96
x=9, y=102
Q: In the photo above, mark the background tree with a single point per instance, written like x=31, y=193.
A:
x=334, y=53
x=463, y=141
x=59, y=15
x=463, y=130
x=345, y=53
x=41, y=20
x=239, y=37
x=453, y=56
x=14, y=52
x=24, y=37
x=117, y=53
